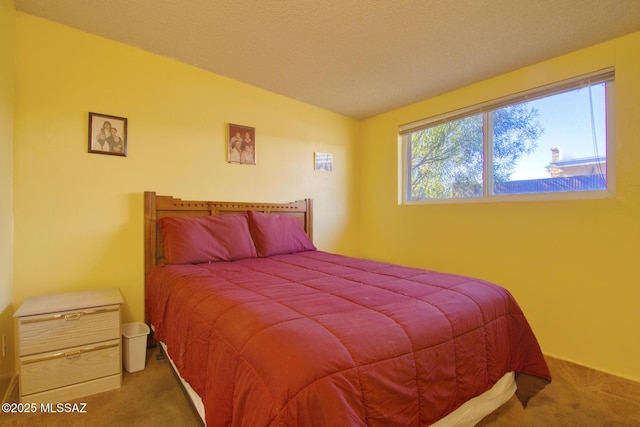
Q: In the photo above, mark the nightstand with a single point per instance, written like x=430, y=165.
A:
x=69, y=345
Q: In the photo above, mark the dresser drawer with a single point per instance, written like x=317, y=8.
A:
x=51, y=332
x=51, y=370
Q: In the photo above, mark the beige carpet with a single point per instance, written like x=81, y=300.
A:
x=153, y=397
x=578, y=396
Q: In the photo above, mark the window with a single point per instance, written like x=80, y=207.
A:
x=549, y=140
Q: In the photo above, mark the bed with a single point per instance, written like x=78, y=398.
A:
x=264, y=329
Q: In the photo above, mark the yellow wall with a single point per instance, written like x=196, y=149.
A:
x=574, y=266
x=7, y=106
x=79, y=216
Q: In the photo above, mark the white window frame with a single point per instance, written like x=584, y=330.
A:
x=606, y=75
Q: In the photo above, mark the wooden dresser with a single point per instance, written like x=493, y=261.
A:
x=69, y=345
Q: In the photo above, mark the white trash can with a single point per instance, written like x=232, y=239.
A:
x=134, y=346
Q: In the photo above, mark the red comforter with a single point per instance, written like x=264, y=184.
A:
x=317, y=339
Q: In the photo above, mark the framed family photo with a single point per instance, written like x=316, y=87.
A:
x=107, y=134
x=241, y=144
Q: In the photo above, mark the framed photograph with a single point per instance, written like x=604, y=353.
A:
x=107, y=134
x=241, y=145
x=323, y=161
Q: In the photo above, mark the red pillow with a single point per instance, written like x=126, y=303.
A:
x=275, y=234
x=198, y=239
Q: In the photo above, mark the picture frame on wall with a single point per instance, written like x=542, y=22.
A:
x=323, y=162
x=241, y=145
x=107, y=134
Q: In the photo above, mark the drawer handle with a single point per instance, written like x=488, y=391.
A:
x=70, y=355
x=69, y=316
x=72, y=316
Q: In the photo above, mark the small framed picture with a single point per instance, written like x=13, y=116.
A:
x=323, y=162
x=107, y=134
x=242, y=145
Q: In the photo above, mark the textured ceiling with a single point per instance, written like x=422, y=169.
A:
x=358, y=58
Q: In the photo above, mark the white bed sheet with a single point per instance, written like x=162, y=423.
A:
x=467, y=415
x=193, y=396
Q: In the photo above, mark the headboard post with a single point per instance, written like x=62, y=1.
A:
x=150, y=238
x=308, y=218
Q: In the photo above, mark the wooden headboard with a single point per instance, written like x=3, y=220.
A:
x=156, y=207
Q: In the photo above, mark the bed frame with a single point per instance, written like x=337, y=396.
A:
x=156, y=207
